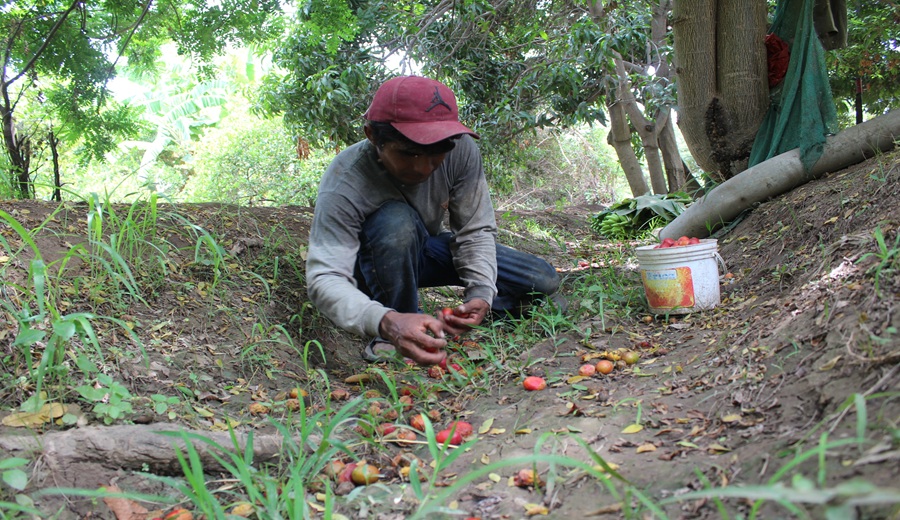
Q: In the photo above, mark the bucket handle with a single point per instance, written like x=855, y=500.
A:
x=721, y=262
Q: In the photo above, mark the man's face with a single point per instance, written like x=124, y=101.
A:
x=408, y=163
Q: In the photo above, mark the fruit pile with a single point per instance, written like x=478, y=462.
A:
x=682, y=241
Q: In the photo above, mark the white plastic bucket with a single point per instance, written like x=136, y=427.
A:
x=681, y=279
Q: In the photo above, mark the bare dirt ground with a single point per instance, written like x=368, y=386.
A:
x=803, y=350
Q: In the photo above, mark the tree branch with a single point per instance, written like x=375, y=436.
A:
x=44, y=45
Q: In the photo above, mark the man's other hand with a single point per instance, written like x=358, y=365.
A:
x=461, y=319
x=419, y=337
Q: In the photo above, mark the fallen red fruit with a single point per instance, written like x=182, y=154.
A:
x=525, y=478
x=443, y=435
x=604, y=366
x=532, y=383
x=436, y=372
x=417, y=422
x=386, y=428
x=347, y=472
x=463, y=428
x=587, y=370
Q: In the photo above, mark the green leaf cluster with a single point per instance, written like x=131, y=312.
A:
x=631, y=218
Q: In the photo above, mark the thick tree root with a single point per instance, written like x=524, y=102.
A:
x=781, y=174
x=150, y=448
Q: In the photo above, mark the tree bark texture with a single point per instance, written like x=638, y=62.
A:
x=63, y=455
x=620, y=139
x=722, y=83
x=781, y=174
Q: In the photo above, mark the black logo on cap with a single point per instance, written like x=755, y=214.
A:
x=438, y=100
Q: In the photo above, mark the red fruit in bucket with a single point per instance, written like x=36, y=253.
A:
x=693, y=241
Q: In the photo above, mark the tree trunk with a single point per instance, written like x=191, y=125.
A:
x=783, y=173
x=675, y=168
x=54, y=151
x=722, y=79
x=620, y=139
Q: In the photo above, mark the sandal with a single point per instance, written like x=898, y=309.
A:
x=377, y=355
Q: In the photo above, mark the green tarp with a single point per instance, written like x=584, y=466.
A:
x=802, y=110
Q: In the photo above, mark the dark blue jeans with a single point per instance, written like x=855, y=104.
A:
x=397, y=257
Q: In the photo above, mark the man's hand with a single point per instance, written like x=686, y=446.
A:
x=461, y=319
x=409, y=333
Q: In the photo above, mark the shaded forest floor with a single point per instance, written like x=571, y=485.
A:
x=801, y=356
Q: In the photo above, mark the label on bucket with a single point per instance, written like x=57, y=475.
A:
x=669, y=288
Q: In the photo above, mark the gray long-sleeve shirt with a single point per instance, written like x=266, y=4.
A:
x=355, y=185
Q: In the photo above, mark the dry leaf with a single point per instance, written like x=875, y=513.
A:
x=718, y=448
x=633, y=428
x=485, y=459
x=243, y=509
x=494, y=477
x=536, y=509
x=486, y=426
x=123, y=508
x=647, y=446
x=356, y=379
x=47, y=413
x=830, y=364
x=734, y=417
x=523, y=431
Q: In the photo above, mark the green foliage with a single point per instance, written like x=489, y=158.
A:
x=630, y=218
x=61, y=57
x=872, y=55
x=253, y=161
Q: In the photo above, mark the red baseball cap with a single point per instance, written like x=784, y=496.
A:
x=422, y=109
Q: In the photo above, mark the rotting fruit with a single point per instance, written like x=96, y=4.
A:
x=587, y=370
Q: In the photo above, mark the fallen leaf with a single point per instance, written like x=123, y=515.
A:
x=485, y=459
x=718, y=448
x=495, y=477
x=124, y=508
x=647, y=446
x=356, y=379
x=47, y=413
x=830, y=364
x=486, y=426
x=734, y=417
x=536, y=509
x=633, y=428
x=523, y=431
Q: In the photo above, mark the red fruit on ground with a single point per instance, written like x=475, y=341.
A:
x=417, y=422
x=532, y=383
x=463, y=428
x=386, y=428
x=443, y=435
x=605, y=366
x=347, y=472
x=587, y=370
x=436, y=372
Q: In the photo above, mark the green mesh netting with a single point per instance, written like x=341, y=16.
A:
x=802, y=110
